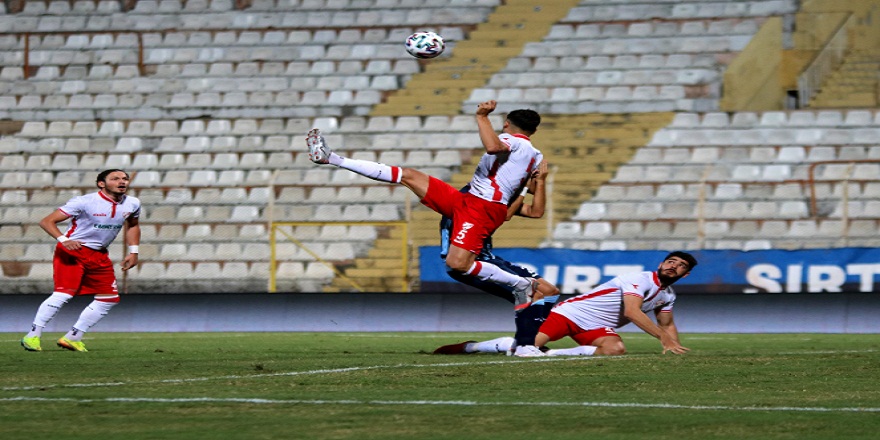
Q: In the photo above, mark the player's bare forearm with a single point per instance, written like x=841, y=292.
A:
x=642, y=321
x=666, y=322
x=537, y=186
x=488, y=137
x=50, y=222
x=515, y=208
x=539, y=201
x=133, y=235
x=633, y=312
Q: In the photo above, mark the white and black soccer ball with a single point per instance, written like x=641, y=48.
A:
x=425, y=44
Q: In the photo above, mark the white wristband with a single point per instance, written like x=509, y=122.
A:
x=524, y=191
x=133, y=249
x=62, y=238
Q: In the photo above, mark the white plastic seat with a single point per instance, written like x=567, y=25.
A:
x=829, y=118
x=590, y=211
x=803, y=228
x=597, y=230
x=290, y=270
x=179, y=271
x=567, y=230
x=858, y=118
x=801, y=118
x=245, y=214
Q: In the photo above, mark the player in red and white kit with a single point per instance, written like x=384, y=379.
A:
x=500, y=176
x=81, y=263
x=590, y=318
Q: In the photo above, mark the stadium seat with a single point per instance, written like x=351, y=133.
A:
x=590, y=211
x=596, y=230
x=567, y=231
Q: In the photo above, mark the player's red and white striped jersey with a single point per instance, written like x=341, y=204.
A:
x=500, y=177
x=603, y=306
x=96, y=220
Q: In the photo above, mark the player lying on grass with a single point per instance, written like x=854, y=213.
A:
x=527, y=319
x=500, y=176
x=590, y=318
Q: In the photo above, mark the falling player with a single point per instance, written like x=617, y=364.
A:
x=501, y=174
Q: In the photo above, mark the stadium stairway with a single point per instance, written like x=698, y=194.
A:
x=853, y=84
x=447, y=82
x=380, y=270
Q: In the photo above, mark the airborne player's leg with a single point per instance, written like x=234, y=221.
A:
x=320, y=153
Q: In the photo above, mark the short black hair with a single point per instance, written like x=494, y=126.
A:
x=102, y=176
x=526, y=119
x=691, y=261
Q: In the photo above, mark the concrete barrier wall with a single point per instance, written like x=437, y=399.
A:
x=779, y=313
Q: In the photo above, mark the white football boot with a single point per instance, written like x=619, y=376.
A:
x=528, y=351
x=319, y=152
x=524, y=296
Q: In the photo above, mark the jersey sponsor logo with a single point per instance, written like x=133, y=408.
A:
x=99, y=214
x=111, y=227
x=465, y=227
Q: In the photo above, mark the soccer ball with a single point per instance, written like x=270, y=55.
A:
x=425, y=44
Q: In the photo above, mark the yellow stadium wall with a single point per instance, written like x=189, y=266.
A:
x=752, y=81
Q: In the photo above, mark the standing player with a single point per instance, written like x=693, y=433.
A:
x=500, y=176
x=590, y=318
x=528, y=316
x=81, y=264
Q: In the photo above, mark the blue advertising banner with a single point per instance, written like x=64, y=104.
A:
x=719, y=271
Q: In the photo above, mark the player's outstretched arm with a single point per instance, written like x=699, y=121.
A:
x=633, y=312
x=667, y=323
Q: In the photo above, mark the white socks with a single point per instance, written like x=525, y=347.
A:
x=366, y=168
x=492, y=273
x=48, y=309
x=497, y=345
x=89, y=317
x=582, y=350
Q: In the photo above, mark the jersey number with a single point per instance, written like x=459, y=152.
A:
x=465, y=227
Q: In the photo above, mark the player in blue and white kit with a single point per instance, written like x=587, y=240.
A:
x=81, y=263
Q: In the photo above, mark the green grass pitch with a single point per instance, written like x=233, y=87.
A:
x=388, y=386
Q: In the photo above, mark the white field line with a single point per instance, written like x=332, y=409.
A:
x=258, y=401
x=301, y=373
x=367, y=368
x=790, y=353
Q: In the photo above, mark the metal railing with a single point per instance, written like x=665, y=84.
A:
x=826, y=61
x=277, y=228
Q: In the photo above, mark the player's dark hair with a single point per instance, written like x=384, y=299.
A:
x=691, y=261
x=102, y=176
x=527, y=120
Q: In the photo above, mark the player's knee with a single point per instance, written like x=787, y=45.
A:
x=410, y=175
x=460, y=265
x=612, y=349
